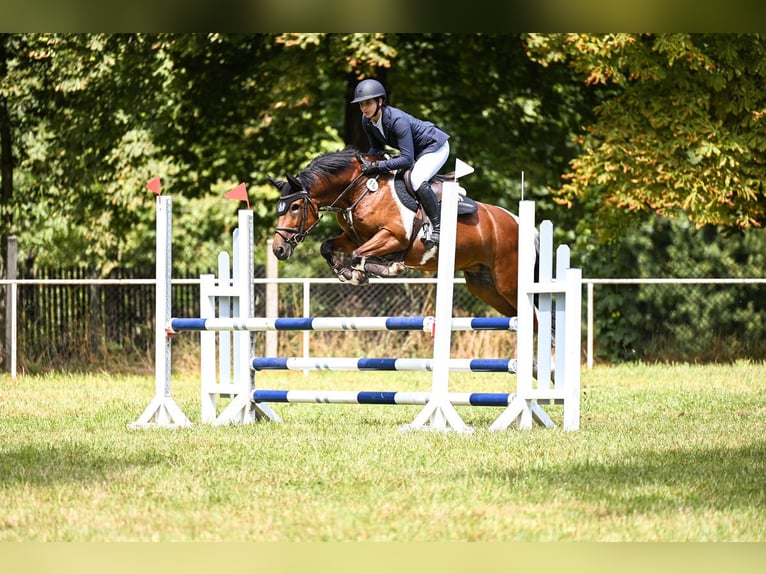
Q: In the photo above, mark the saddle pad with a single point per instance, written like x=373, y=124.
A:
x=465, y=205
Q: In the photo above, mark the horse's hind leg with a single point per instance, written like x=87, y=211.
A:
x=481, y=283
x=381, y=268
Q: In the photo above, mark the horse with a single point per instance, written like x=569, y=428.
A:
x=382, y=229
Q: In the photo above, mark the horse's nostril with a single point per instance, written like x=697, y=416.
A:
x=281, y=252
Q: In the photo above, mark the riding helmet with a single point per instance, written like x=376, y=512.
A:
x=368, y=90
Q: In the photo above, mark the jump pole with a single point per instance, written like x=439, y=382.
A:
x=406, y=323
x=439, y=413
x=163, y=410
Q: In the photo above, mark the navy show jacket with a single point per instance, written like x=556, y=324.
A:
x=411, y=136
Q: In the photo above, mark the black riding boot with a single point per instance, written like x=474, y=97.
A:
x=430, y=205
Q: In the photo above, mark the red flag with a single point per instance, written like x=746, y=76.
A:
x=239, y=193
x=154, y=186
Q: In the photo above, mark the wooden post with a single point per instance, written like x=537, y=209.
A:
x=10, y=306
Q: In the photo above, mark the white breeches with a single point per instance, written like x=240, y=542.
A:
x=428, y=165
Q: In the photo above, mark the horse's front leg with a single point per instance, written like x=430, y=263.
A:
x=337, y=253
x=384, y=242
x=380, y=245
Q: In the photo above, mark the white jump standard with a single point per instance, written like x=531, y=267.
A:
x=163, y=410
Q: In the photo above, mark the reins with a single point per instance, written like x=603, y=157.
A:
x=348, y=212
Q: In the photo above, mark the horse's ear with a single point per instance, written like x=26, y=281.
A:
x=276, y=183
x=294, y=183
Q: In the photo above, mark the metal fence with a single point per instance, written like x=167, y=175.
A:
x=675, y=319
x=109, y=323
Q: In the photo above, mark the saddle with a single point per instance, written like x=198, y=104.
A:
x=403, y=186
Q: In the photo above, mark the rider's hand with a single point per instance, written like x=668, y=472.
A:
x=370, y=168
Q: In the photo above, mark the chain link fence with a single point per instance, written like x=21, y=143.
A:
x=676, y=320
x=110, y=327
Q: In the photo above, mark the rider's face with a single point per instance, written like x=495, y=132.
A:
x=369, y=108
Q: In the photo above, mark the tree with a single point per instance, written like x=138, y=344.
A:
x=78, y=147
x=682, y=131
x=94, y=116
x=6, y=151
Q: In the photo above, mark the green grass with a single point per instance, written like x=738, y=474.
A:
x=668, y=453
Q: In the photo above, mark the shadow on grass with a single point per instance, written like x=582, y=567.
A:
x=712, y=478
x=49, y=465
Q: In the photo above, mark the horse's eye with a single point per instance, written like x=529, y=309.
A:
x=294, y=208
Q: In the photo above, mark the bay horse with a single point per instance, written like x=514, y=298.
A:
x=382, y=231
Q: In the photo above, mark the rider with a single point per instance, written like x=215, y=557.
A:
x=422, y=146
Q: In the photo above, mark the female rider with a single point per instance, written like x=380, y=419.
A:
x=422, y=146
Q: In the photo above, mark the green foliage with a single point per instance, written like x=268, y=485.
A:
x=670, y=322
x=95, y=116
x=610, y=130
x=682, y=130
x=678, y=137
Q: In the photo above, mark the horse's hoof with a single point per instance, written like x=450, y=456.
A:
x=352, y=276
x=344, y=275
x=360, y=278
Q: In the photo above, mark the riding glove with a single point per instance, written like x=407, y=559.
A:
x=370, y=168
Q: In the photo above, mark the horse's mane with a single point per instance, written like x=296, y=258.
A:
x=327, y=165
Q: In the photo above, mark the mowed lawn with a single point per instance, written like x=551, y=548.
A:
x=665, y=453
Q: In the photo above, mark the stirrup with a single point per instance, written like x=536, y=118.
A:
x=430, y=240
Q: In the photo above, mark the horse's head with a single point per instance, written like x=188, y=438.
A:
x=324, y=184
x=297, y=213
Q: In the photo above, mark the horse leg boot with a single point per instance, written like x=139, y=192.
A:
x=430, y=205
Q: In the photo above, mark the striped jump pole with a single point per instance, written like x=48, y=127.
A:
x=381, y=364
x=426, y=324
x=378, y=397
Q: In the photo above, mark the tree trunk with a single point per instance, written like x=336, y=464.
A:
x=6, y=192
x=6, y=157
x=353, y=133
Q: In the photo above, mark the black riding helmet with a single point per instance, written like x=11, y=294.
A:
x=368, y=90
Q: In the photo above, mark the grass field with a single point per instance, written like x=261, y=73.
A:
x=666, y=453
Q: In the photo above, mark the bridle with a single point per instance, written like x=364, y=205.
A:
x=297, y=235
